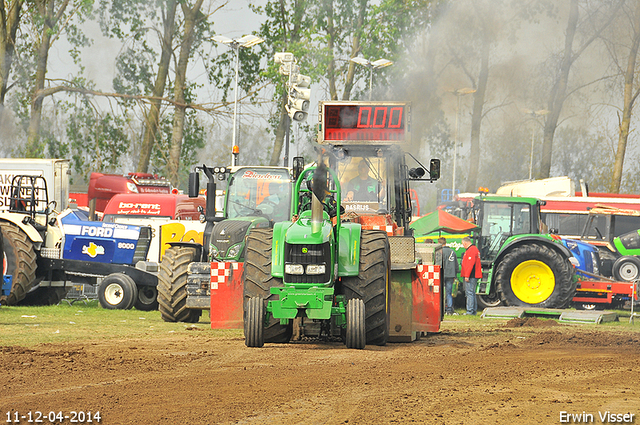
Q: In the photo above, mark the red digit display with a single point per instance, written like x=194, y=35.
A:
x=364, y=122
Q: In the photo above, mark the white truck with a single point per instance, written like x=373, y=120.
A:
x=55, y=172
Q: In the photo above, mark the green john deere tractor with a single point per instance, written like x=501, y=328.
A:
x=522, y=264
x=295, y=267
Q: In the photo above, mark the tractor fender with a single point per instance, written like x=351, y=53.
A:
x=541, y=240
x=16, y=219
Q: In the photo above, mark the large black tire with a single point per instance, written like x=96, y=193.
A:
x=172, y=285
x=626, y=269
x=258, y=281
x=254, y=323
x=45, y=296
x=356, y=333
x=534, y=275
x=20, y=262
x=147, y=299
x=117, y=291
x=371, y=284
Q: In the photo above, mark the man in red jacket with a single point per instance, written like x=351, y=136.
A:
x=471, y=271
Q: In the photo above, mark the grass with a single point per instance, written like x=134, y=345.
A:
x=28, y=326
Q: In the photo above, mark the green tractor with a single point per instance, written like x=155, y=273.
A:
x=255, y=197
x=307, y=256
x=522, y=264
x=345, y=266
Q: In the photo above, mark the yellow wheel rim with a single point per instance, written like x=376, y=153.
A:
x=532, y=281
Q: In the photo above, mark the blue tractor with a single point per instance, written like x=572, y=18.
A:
x=45, y=251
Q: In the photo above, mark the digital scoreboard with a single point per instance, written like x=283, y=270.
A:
x=379, y=123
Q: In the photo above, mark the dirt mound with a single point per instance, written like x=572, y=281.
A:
x=586, y=338
x=533, y=322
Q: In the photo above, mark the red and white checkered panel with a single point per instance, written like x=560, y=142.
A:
x=388, y=229
x=220, y=272
x=429, y=274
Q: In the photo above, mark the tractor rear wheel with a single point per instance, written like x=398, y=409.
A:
x=254, y=323
x=535, y=275
x=19, y=262
x=147, y=298
x=172, y=285
x=371, y=284
x=117, y=291
x=258, y=282
x=356, y=334
x=626, y=269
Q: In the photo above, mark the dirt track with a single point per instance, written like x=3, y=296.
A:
x=495, y=374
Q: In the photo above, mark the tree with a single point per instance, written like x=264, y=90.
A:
x=596, y=21
x=50, y=18
x=192, y=17
x=631, y=91
x=9, y=23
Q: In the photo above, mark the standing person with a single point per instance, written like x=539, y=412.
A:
x=471, y=272
x=449, y=274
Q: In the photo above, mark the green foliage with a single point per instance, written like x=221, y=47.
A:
x=194, y=140
x=96, y=142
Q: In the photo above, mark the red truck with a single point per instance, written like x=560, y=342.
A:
x=102, y=187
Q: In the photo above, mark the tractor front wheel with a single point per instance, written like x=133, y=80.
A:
x=356, y=334
x=254, y=323
x=535, y=275
x=486, y=301
x=258, y=282
x=371, y=284
x=19, y=262
x=172, y=285
x=626, y=269
x=117, y=292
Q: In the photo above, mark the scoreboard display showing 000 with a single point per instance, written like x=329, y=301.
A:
x=364, y=122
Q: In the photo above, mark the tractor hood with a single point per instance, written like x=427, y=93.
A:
x=227, y=237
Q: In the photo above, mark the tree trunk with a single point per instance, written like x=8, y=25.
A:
x=476, y=117
x=355, y=49
x=34, y=148
x=558, y=92
x=151, y=123
x=9, y=21
x=280, y=133
x=629, y=99
x=190, y=22
x=331, y=68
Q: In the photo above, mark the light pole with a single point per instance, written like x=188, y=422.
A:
x=535, y=115
x=380, y=63
x=236, y=43
x=458, y=93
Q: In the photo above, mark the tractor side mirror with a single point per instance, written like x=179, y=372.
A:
x=194, y=185
x=434, y=169
x=298, y=166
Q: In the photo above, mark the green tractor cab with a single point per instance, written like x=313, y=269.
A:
x=523, y=265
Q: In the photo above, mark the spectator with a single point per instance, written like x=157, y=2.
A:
x=449, y=274
x=471, y=272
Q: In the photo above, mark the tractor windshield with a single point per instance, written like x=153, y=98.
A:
x=500, y=220
x=255, y=191
x=363, y=183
